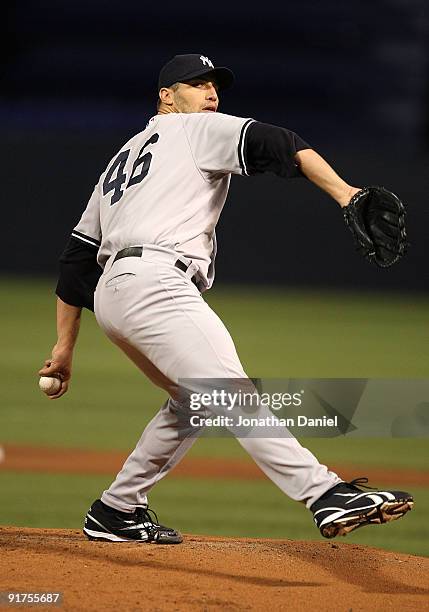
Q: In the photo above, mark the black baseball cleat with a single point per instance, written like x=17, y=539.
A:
x=346, y=507
x=105, y=523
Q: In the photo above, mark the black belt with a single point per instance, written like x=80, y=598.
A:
x=137, y=251
x=129, y=252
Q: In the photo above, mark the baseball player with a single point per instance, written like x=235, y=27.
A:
x=146, y=244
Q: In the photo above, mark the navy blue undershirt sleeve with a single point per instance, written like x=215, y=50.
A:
x=269, y=148
x=79, y=274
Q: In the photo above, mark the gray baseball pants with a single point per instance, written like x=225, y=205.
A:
x=156, y=315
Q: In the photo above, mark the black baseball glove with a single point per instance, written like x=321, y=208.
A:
x=376, y=218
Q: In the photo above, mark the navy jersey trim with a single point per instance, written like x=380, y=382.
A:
x=85, y=238
x=241, y=146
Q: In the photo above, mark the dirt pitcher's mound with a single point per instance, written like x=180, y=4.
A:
x=208, y=573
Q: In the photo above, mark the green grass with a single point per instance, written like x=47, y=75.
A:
x=227, y=508
x=278, y=333
x=381, y=452
x=288, y=333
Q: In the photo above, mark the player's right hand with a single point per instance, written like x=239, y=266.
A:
x=59, y=365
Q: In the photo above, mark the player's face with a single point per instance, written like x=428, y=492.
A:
x=196, y=96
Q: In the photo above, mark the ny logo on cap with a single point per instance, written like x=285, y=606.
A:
x=206, y=60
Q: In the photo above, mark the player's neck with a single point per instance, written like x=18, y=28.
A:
x=166, y=110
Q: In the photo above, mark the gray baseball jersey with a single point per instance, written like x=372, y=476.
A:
x=167, y=186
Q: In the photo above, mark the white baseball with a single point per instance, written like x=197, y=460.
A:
x=49, y=384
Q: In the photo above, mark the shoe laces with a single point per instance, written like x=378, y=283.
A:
x=360, y=482
x=145, y=516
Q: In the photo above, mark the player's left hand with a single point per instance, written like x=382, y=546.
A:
x=376, y=218
x=59, y=365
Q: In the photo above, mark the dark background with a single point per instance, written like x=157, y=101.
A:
x=352, y=78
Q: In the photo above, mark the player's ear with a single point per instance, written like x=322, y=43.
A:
x=166, y=95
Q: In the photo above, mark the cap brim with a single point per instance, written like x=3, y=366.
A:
x=224, y=77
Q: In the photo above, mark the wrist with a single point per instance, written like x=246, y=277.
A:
x=346, y=195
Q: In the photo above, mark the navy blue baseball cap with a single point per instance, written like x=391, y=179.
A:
x=184, y=68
